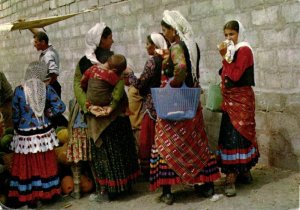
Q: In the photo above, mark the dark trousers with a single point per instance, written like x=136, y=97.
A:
x=58, y=120
x=56, y=86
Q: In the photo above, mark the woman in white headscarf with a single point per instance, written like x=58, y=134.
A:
x=34, y=173
x=114, y=159
x=238, y=150
x=181, y=153
x=150, y=78
x=98, y=41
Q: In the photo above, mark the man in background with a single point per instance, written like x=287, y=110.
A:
x=49, y=56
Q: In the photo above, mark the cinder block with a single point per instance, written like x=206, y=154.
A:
x=289, y=57
x=266, y=58
x=250, y=4
x=223, y=5
x=265, y=16
x=272, y=38
x=290, y=12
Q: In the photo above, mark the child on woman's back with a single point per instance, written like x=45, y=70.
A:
x=99, y=82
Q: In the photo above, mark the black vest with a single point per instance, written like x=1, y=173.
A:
x=154, y=81
x=247, y=79
x=102, y=56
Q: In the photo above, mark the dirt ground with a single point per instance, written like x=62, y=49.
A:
x=272, y=189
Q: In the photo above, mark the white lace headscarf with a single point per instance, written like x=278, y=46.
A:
x=186, y=34
x=92, y=41
x=231, y=48
x=35, y=88
x=159, y=41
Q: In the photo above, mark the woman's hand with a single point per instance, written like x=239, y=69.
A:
x=222, y=48
x=96, y=110
x=99, y=111
x=108, y=110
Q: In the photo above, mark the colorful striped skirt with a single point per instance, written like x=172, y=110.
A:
x=236, y=154
x=146, y=141
x=161, y=174
x=34, y=176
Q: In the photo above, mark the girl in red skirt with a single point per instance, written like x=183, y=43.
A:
x=34, y=174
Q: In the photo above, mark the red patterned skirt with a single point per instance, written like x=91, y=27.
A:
x=146, y=141
x=238, y=150
x=181, y=153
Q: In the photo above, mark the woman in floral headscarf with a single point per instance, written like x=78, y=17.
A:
x=181, y=153
x=34, y=173
x=238, y=150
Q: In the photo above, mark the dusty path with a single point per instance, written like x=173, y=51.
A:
x=272, y=189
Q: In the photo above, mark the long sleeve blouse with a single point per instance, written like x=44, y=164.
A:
x=149, y=78
x=233, y=72
x=80, y=95
x=23, y=116
x=179, y=64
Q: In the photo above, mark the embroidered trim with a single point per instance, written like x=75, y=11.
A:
x=34, y=143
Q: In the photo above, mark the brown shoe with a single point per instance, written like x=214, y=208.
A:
x=167, y=198
x=230, y=190
x=230, y=184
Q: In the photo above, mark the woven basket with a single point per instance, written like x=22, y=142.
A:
x=176, y=103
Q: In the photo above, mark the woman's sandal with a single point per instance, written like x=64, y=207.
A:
x=205, y=190
x=230, y=184
x=167, y=198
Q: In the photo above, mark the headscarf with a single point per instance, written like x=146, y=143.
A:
x=186, y=34
x=35, y=88
x=159, y=41
x=231, y=48
x=242, y=37
x=92, y=41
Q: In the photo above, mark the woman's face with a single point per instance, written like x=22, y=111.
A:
x=150, y=48
x=106, y=43
x=231, y=35
x=169, y=33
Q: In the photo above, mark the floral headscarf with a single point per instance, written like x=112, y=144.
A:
x=186, y=34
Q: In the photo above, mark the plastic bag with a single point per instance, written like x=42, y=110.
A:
x=214, y=98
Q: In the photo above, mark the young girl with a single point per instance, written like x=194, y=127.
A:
x=238, y=149
x=34, y=172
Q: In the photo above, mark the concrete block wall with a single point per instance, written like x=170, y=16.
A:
x=272, y=29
